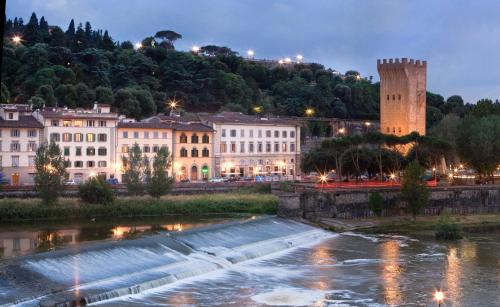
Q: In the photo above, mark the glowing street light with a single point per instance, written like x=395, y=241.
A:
x=323, y=178
x=138, y=45
x=309, y=111
x=342, y=130
x=16, y=39
x=299, y=58
x=195, y=49
x=173, y=104
x=439, y=296
x=368, y=124
x=358, y=77
x=257, y=109
x=288, y=60
x=250, y=53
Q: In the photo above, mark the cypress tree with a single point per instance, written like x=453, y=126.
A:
x=30, y=33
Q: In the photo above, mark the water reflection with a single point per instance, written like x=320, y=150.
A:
x=453, y=275
x=15, y=241
x=391, y=271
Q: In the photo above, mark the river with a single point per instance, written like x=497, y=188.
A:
x=245, y=261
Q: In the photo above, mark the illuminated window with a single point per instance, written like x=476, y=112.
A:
x=66, y=137
x=78, y=137
x=183, y=139
x=90, y=137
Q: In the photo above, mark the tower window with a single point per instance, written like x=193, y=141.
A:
x=388, y=129
x=393, y=97
x=388, y=97
x=399, y=129
x=399, y=97
x=393, y=129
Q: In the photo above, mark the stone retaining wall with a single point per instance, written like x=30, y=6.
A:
x=354, y=204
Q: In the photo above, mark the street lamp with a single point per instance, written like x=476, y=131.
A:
x=280, y=62
x=288, y=60
x=16, y=39
x=138, y=45
x=341, y=130
x=195, y=49
x=250, y=53
x=299, y=58
x=309, y=111
x=257, y=109
x=439, y=297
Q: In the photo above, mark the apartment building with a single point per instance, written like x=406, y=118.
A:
x=193, y=151
x=250, y=146
x=20, y=136
x=86, y=138
x=149, y=135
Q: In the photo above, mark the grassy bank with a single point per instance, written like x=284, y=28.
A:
x=32, y=209
x=428, y=224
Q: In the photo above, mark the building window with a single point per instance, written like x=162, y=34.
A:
x=399, y=97
x=147, y=149
x=259, y=147
x=393, y=97
x=31, y=133
x=66, y=123
x=242, y=147
x=125, y=148
x=15, y=161
x=102, y=123
x=78, y=164
x=283, y=134
x=78, y=151
x=15, y=146
x=205, y=139
x=90, y=137
x=90, y=163
x=233, y=147
x=55, y=123
x=251, y=133
x=242, y=133
x=283, y=147
x=32, y=146
x=102, y=164
x=268, y=133
x=232, y=133
x=66, y=137
x=292, y=134
x=102, y=151
x=102, y=137
x=90, y=123
x=90, y=151
x=194, y=153
x=276, y=147
x=156, y=148
x=31, y=161
x=155, y=135
x=292, y=147
x=78, y=137
x=223, y=147
x=388, y=97
x=183, y=139
x=55, y=137
x=194, y=138
x=268, y=147
x=260, y=133
x=388, y=129
x=78, y=123
x=164, y=135
x=223, y=133
x=125, y=134
x=184, y=152
x=276, y=134
x=66, y=151
x=393, y=129
x=11, y=115
x=146, y=134
x=15, y=133
x=136, y=134
x=250, y=147
x=205, y=153
x=399, y=129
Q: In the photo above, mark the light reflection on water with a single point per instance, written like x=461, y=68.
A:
x=390, y=271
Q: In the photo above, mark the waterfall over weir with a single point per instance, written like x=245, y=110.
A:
x=91, y=273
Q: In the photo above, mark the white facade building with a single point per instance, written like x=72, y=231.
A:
x=250, y=146
x=20, y=136
x=86, y=137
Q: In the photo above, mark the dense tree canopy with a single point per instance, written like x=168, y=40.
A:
x=82, y=64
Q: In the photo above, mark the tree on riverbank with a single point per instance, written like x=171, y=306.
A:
x=50, y=170
x=133, y=170
x=159, y=183
x=414, y=190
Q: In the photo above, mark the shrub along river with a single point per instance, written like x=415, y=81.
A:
x=236, y=261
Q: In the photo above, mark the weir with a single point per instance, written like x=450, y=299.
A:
x=90, y=273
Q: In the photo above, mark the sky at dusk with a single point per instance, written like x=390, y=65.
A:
x=460, y=39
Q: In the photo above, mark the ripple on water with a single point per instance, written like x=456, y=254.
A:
x=289, y=297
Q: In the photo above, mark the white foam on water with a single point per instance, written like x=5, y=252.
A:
x=362, y=261
x=290, y=297
x=366, y=237
x=431, y=255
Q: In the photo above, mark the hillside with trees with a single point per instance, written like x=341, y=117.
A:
x=77, y=66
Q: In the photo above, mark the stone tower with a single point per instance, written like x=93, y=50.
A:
x=402, y=96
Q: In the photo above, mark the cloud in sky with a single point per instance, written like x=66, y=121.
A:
x=460, y=39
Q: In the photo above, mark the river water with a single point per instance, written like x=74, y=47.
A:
x=250, y=262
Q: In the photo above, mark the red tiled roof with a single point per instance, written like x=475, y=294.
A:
x=192, y=127
x=145, y=125
x=25, y=121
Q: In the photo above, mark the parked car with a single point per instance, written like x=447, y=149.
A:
x=112, y=181
x=232, y=179
x=70, y=182
x=217, y=179
x=185, y=180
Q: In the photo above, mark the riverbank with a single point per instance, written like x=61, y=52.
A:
x=12, y=210
x=406, y=224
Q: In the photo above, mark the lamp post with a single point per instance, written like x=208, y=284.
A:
x=309, y=112
x=299, y=58
x=439, y=297
x=195, y=49
x=250, y=53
